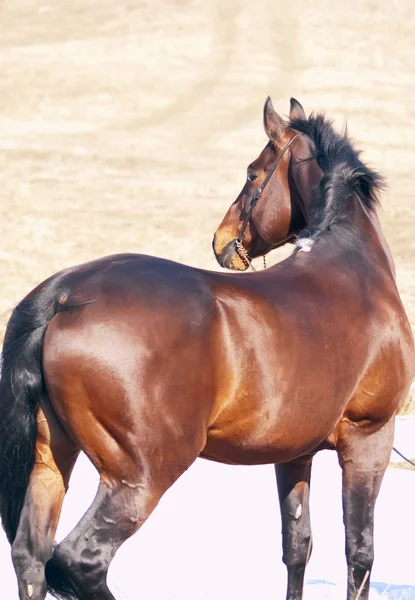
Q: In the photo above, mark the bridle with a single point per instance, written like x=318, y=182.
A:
x=239, y=248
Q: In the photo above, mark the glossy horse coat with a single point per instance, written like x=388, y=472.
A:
x=146, y=364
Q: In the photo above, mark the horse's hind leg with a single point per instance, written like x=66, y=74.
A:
x=32, y=546
x=139, y=441
x=81, y=561
x=363, y=456
x=135, y=470
x=294, y=489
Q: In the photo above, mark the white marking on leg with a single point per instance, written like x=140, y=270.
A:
x=299, y=511
x=304, y=244
x=30, y=590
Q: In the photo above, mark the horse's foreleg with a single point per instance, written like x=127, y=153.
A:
x=293, y=489
x=32, y=546
x=363, y=456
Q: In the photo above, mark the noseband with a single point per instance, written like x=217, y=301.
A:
x=242, y=253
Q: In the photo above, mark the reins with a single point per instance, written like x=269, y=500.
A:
x=404, y=457
x=242, y=253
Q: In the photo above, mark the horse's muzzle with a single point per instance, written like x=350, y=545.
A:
x=228, y=258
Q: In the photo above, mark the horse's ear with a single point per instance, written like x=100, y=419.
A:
x=296, y=110
x=273, y=123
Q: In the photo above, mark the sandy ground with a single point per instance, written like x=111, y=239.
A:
x=128, y=125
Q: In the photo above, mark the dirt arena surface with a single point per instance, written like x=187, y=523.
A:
x=127, y=126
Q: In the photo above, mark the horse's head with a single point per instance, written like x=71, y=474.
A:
x=280, y=211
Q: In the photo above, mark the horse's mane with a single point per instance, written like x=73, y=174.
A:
x=344, y=174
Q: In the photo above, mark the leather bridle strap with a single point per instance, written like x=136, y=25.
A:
x=259, y=191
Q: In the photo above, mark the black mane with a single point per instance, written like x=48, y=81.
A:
x=344, y=174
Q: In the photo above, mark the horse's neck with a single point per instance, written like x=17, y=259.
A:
x=376, y=226
x=365, y=224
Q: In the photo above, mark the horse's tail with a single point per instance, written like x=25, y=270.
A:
x=21, y=390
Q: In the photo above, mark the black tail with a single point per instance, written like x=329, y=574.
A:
x=21, y=389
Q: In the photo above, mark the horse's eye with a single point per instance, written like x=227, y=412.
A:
x=251, y=177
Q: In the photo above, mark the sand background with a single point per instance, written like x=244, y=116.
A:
x=128, y=125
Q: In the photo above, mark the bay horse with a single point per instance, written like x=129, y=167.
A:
x=146, y=364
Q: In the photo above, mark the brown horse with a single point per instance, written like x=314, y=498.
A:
x=146, y=364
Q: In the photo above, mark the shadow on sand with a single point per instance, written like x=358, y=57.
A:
x=385, y=591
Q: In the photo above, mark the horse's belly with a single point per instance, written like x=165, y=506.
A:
x=227, y=453
x=264, y=444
